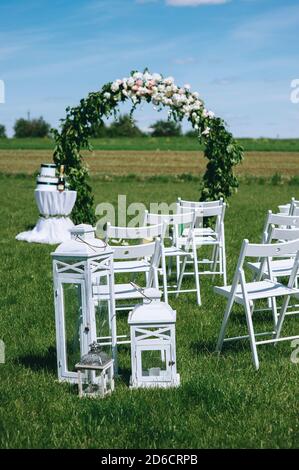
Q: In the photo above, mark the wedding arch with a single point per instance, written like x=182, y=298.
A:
x=221, y=149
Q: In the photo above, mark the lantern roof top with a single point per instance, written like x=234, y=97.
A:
x=94, y=359
x=82, y=243
x=154, y=312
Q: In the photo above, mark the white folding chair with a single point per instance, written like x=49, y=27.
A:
x=178, y=248
x=128, y=291
x=197, y=205
x=280, y=267
x=280, y=221
x=214, y=238
x=132, y=254
x=122, y=235
x=246, y=293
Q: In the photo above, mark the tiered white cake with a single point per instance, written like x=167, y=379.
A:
x=47, y=179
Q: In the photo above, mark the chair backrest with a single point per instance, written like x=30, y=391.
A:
x=169, y=219
x=175, y=221
x=285, y=234
x=150, y=251
x=281, y=221
x=199, y=204
x=146, y=250
x=270, y=250
x=265, y=252
x=294, y=207
x=208, y=211
x=134, y=233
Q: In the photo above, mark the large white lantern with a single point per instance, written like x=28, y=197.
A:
x=153, y=351
x=78, y=265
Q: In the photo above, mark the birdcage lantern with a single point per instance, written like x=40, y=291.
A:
x=95, y=373
x=78, y=265
x=153, y=349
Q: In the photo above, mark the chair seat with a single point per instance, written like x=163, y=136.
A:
x=136, y=266
x=199, y=231
x=279, y=267
x=199, y=241
x=174, y=251
x=122, y=292
x=258, y=290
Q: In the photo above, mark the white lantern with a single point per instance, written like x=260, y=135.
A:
x=153, y=351
x=78, y=265
x=98, y=367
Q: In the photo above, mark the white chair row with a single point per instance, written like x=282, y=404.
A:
x=277, y=257
x=163, y=237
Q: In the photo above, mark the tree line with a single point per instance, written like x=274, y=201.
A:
x=123, y=126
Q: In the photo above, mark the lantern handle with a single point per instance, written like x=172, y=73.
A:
x=140, y=290
x=89, y=244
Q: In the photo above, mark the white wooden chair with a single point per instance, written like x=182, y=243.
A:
x=180, y=247
x=280, y=221
x=280, y=267
x=195, y=206
x=214, y=238
x=139, y=234
x=130, y=256
x=246, y=293
x=129, y=291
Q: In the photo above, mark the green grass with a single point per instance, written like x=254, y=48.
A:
x=222, y=401
x=150, y=143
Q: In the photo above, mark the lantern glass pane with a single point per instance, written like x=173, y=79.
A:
x=73, y=323
x=154, y=362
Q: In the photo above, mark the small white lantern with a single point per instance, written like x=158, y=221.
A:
x=98, y=367
x=153, y=351
x=78, y=265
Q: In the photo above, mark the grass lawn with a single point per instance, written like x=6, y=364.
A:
x=182, y=143
x=222, y=401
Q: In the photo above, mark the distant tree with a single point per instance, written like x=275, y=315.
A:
x=99, y=131
x=166, y=129
x=2, y=131
x=191, y=133
x=124, y=126
x=31, y=128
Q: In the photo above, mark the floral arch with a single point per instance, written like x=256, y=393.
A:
x=221, y=149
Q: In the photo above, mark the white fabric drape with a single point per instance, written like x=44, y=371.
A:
x=54, y=225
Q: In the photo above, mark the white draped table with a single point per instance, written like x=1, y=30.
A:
x=54, y=222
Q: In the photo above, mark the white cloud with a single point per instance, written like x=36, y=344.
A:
x=194, y=3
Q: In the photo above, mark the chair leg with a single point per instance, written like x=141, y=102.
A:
x=273, y=305
x=227, y=312
x=282, y=316
x=164, y=280
x=178, y=268
x=196, y=274
x=224, y=265
x=215, y=257
x=181, y=275
x=251, y=335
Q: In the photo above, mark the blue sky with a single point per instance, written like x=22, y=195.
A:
x=240, y=55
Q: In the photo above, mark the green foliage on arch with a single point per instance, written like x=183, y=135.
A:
x=221, y=149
